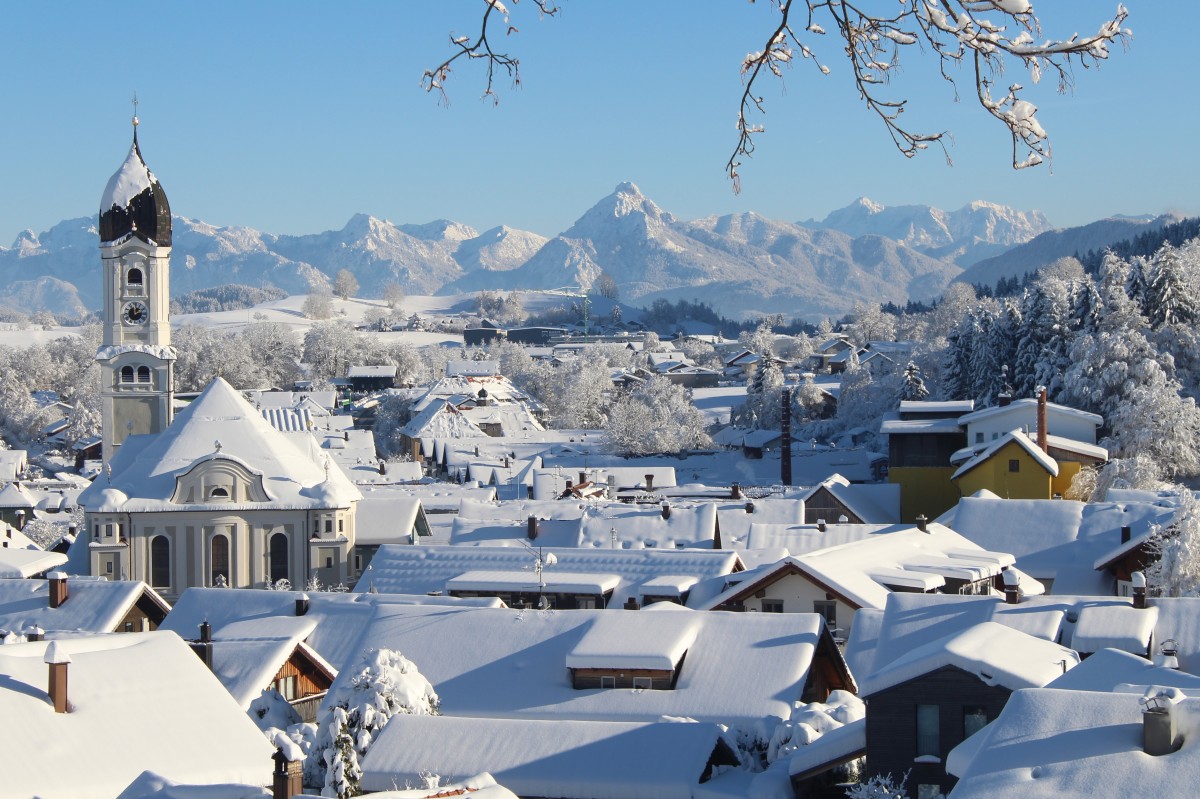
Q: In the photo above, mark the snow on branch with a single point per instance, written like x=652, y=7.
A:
x=984, y=36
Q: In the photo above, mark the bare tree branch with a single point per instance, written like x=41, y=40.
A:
x=983, y=35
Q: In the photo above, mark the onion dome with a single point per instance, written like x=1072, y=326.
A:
x=134, y=202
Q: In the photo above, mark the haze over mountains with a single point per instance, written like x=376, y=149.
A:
x=742, y=264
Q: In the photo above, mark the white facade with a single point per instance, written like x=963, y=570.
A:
x=989, y=424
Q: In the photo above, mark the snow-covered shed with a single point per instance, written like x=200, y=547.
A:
x=640, y=575
x=1109, y=669
x=560, y=758
x=736, y=669
x=861, y=503
x=134, y=702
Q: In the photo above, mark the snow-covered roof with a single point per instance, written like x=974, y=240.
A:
x=219, y=423
x=741, y=668
x=247, y=655
x=18, y=563
x=1107, y=669
x=1015, y=437
x=1114, y=626
x=143, y=693
x=428, y=569
x=736, y=522
x=995, y=653
x=440, y=419
x=1056, y=539
x=386, y=517
x=1051, y=744
x=563, y=758
x=837, y=745
x=957, y=407
x=659, y=642
x=892, y=425
x=371, y=371
x=1023, y=408
x=555, y=582
x=92, y=605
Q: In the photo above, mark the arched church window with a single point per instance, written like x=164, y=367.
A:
x=143, y=374
x=279, y=557
x=133, y=280
x=160, y=562
x=220, y=559
x=126, y=374
x=218, y=492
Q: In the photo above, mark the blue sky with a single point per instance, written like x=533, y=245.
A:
x=291, y=116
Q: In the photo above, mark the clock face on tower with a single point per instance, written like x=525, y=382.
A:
x=135, y=313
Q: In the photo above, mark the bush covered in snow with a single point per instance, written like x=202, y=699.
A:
x=360, y=703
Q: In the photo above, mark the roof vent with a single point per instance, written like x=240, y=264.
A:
x=922, y=523
x=1160, y=735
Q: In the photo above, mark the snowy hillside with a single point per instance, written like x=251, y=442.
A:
x=976, y=231
x=1055, y=244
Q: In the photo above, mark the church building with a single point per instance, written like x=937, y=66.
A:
x=215, y=496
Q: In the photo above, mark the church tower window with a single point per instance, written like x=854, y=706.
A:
x=160, y=562
x=279, y=557
x=143, y=374
x=220, y=559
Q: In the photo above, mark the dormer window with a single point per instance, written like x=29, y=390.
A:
x=218, y=492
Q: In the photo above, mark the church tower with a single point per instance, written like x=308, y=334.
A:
x=135, y=355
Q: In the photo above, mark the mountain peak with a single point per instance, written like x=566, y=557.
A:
x=868, y=205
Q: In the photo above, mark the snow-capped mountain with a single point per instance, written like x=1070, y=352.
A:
x=976, y=231
x=739, y=264
x=1052, y=245
x=498, y=250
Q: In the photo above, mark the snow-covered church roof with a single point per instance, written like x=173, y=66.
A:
x=134, y=202
x=220, y=424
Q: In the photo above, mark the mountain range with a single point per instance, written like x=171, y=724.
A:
x=741, y=264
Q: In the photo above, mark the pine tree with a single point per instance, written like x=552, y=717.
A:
x=1170, y=300
x=914, y=386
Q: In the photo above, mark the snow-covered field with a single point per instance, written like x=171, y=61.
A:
x=12, y=337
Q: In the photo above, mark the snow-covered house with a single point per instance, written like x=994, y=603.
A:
x=387, y=517
x=17, y=504
x=132, y=703
x=221, y=497
x=836, y=498
x=927, y=701
x=922, y=436
x=551, y=757
x=837, y=581
x=1058, y=744
x=13, y=463
x=62, y=604
x=560, y=577
x=741, y=670
x=1059, y=542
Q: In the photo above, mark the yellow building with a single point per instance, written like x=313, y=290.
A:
x=1012, y=467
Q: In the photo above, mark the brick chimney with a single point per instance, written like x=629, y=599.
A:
x=1041, y=419
x=735, y=491
x=649, y=482
x=288, y=778
x=1012, y=586
x=1139, y=590
x=57, y=659
x=58, y=588
x=631, y=603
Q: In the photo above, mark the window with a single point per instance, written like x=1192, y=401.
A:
x=143, y=374
x=160, y=562
x=279, y=557
x=1014, y=465
x=126, y=374
x=128, y=627
x=828, y=609
x=133, y=280
x=772, y=606
x=974, y=719
x=218, y=492
x=643, y=683
x=219, y=560
x=927, y=790
x=608, y=682
x=328, y=563
x=979, y=437
x=287, y=687
x=108, y=567
x=341, y=525
x=329, y=525
x=928, y=730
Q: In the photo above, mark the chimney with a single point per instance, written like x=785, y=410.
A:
x=922, y=523
x=631, y=603
x=666, y=509
x=735, y=491
x=583, y=477
x=58, y=660
x=821, y=525
x=612, y=487
x=749, y=507
x=1041, y=418
x=1159, y=733
x=345, y=435
x=302, y=604
x=1003, y=398
x=289, y=774
x=785, y=437
x=58, y=588
x=1126, y=533
x=382, y=467
x=570, y=484
x=649, y=482
x=531, y=527
x=204, y=646
x=1139, y=590
x=1012, y=587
